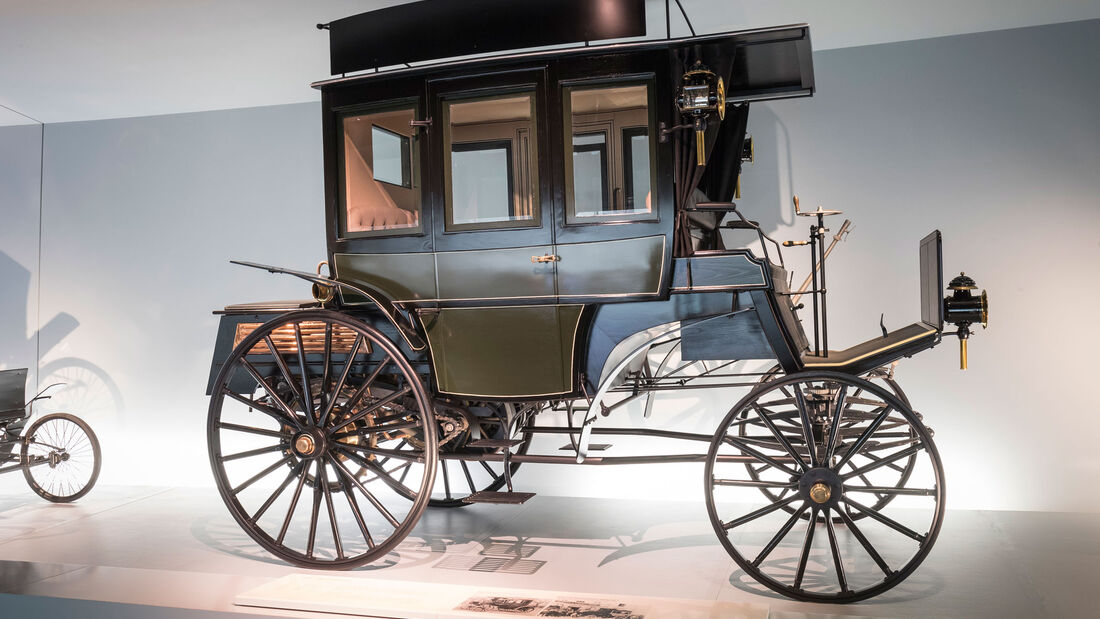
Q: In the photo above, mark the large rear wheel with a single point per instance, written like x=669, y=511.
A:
x=322, y=440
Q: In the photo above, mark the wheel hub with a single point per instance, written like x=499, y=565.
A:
x=821, y=488
x=309, y=444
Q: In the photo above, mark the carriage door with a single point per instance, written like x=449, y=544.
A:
x=496, y=333
x=614, y=235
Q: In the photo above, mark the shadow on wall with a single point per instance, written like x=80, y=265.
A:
x=86, y=388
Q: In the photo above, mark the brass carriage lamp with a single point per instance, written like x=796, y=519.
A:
x=702, y=93
x=964, y=308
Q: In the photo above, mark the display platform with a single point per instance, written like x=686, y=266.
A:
x=176, y=553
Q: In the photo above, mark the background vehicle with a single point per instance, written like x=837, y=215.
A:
x=58, y=453
x=542, y=232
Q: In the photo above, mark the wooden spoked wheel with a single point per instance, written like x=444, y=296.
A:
x=895, y=474
x=815, y=551
x=322, y=440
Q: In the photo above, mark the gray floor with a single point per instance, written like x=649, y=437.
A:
x=160, y=552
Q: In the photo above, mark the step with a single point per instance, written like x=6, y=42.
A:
x=591, y=447
x=494, y=443
x=505, y=498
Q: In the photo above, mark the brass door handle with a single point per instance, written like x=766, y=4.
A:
x=546, y=258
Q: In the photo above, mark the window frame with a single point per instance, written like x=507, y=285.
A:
x=406, y=157
x=533, y=173
x=566, y=88
x=416, y=169
x=626, y=135
x=605, y=176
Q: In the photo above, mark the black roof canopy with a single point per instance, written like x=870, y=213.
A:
x=433, y=29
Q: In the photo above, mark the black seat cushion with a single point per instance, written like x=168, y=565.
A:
x=877, y=351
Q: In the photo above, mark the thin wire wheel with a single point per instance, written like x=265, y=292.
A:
x=322, y=440
x=61, y=457
x=828, y=440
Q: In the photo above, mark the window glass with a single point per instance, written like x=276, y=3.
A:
x=490, y=169
x=380, y=192
x=590, y=182
x=609, y=179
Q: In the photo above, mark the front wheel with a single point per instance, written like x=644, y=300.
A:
x=61, y=457
x=828, y=440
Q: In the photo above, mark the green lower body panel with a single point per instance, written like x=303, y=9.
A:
x=505, y=352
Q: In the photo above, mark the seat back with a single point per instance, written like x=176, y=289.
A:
x=12, y=397
x=931, y=280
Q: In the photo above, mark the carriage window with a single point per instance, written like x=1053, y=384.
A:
x=609, y=179
x=490, y=169
x=590, y=183
x=379, y=188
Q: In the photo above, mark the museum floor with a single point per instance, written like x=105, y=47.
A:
x=167, y=552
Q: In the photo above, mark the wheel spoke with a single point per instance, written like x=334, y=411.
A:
x=317, y=492
x=848, y=522
x=779, y=436
x=370, y=409
x=742, y=483
x=886, y=520
x=296, y=470
x=365, y=387
x=905, y=453
x=356, y=512
x=834, y=429
x=807, y=429
x=764, y=511
x=250, y=430
x=786, y=528
x=281, y=363
x=340, y=382
x=892, y=491
x=327, y=356
x=835, y=548
x=738, y=443
x=885, y=411
x=260, y=475
x=806, y=545
x=469, y=478
x=307, y=391
x=446, y=479
x=253, y=452
x=368, y=494
x=331, y=511
x=293, y=503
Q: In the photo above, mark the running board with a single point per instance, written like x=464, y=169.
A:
x=503, y=498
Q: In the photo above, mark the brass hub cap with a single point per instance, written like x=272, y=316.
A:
x=305, y=445
x=821, y=488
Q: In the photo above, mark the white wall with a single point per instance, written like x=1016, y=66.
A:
x=993, y=138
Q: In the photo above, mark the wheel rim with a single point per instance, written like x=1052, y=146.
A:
x=815, y=551
x=325, y=452
x=61, y=457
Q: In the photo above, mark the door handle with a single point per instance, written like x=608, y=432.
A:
x=546, y=258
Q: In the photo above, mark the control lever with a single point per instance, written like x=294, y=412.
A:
x=882, y=324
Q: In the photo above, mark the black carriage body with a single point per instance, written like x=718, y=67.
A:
x=540, y=302
x=496, y=323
